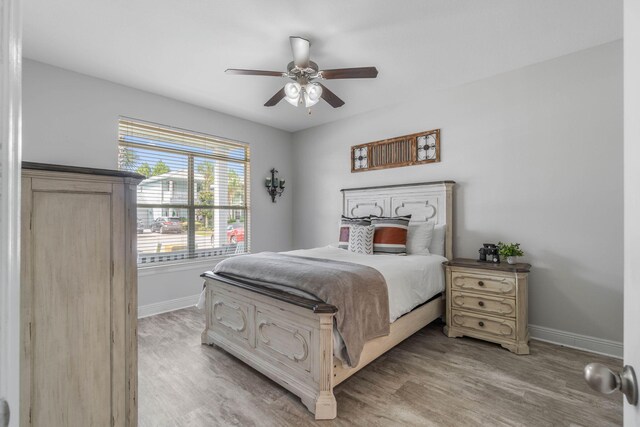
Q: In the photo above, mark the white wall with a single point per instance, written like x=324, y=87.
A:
x=537, y=155
x=72, y=119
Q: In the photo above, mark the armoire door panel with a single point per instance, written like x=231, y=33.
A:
x=78, y=296
x=71, y=294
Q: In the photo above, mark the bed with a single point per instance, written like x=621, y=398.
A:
x=290, y=337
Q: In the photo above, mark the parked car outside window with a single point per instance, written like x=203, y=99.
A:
x=166, y=224
x=235, y=232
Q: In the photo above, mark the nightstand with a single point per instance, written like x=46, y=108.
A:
x=488, y=301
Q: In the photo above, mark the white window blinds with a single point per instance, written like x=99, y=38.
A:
x=194, y=201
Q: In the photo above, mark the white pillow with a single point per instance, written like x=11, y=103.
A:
x=361, y=239
x=419, y=238
x=437, y=242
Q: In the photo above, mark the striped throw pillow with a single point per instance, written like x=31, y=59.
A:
x=345, y=225
x=361, y=239
x=390, y=237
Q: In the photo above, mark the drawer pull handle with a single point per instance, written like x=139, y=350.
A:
x=481, y=303
x=481, y=323
x=480, y=283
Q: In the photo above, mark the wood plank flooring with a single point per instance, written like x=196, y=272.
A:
x=428, y=380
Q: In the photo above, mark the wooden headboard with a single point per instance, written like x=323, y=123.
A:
x=426, y=201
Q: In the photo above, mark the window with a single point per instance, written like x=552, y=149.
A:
x=194, y=201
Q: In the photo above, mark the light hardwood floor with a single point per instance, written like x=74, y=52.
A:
x=428, y=380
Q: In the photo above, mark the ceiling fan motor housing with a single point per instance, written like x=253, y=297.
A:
x=310, y=72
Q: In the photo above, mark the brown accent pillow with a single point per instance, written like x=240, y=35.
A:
x=390, y=237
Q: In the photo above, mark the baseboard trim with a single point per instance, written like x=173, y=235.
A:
x=577, y=341
x=166, y=306
x=539, y=333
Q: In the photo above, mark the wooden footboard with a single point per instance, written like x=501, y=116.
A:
x=290, y=339
x=287, y=338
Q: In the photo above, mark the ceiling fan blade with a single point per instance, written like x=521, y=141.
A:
x=275, y=98
x=350, y=73
x=300, y=51
x=254, y=72
x=331, y=98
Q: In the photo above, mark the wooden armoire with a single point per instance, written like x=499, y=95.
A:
x=78, y=297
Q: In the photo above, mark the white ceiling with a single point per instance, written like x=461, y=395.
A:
x=180, y=49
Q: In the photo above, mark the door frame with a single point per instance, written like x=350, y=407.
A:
x=10, y=165
x=631, y=196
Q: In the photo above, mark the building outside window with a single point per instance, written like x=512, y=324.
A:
x=194, y=202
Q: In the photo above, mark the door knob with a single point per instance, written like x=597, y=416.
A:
x=602, y=379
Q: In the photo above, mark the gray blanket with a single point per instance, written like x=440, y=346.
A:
x=359, y=292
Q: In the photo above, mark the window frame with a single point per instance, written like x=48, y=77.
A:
x=193, y=254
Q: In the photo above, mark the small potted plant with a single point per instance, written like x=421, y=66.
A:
x=510, y=251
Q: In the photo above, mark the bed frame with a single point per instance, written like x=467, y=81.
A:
x=289, y=338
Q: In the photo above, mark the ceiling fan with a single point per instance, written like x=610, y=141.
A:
x=304, y=90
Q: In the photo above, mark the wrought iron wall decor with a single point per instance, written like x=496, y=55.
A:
x=414, y=149
x=275, y=185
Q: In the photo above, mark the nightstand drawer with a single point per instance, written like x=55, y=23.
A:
x=498, y=327
x=496, y=285
x=485, y=304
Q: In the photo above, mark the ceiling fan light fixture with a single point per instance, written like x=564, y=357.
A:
x=292, y=89
x=314, y=90
x=312, y=94
x=292, y=92
x=308, y=102
x=294, y=101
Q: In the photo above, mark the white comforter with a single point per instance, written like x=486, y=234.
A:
x=411, y=279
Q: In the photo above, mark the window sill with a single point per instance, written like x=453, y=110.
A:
x=170, y=267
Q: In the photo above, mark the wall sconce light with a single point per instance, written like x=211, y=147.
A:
x=275, y=185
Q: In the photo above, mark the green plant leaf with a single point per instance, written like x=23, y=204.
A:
x=509, y=249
